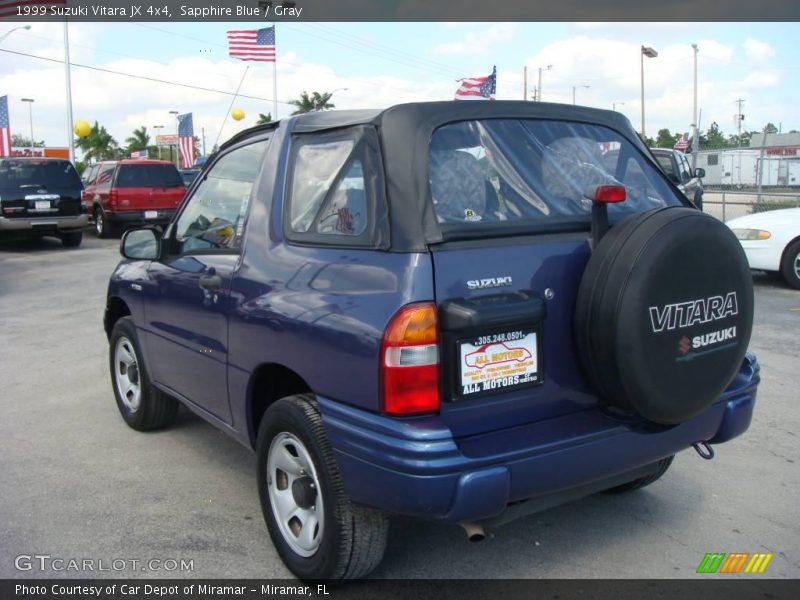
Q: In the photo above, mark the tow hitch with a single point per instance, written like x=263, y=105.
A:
x=704, y=449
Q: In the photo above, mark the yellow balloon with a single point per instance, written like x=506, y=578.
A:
x=82, y=128
x=237, y=114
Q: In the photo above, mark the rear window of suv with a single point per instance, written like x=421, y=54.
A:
x=148, y=176
x=43, y=173
x=518, y=170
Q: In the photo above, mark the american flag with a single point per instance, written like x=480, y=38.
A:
x=10, y=8
x=478, y=88
x=186, y=140
x=683, y=142
x=5, y=128
x=253, y=44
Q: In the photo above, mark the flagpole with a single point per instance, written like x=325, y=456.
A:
x=236, y=93
x=70, y=137
x=275, y=76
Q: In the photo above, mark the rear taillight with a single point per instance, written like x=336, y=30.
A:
x=410, y=362
x=113, y=198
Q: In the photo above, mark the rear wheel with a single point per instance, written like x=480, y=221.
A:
x=636, y=484
x=317, y=531
x=790, y=265
x=101, y=226
x=72, y=239
x=141, y=405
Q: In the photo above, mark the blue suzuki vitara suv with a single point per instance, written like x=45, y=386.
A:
x=461, y=311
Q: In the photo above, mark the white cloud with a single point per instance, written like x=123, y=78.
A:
x=477, y=42
x=758, y=51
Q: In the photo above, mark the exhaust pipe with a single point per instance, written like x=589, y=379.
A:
x=475, y=532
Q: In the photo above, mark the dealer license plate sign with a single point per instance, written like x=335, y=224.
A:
x=499, y=362
x=151, y=214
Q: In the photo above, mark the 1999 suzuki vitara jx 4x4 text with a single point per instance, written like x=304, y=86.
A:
x=462, y=311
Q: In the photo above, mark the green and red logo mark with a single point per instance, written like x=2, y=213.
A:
x=735, y=562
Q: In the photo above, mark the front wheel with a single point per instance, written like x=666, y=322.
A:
x=317, y=531
x=790, y=265
x=141, y=405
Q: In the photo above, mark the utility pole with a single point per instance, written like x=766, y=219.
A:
x=539, y=88
x=203, y=132
x=525, y=83
x=695, y=140
x=739, y=119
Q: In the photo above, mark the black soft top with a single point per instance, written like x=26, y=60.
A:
x=405, y=132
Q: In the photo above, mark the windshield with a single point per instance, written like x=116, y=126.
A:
x=516, y=170
x=38, y=173
x=148, y=176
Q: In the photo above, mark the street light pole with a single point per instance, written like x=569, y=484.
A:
x=174, y=113
x=577, y=86
x=649, y=53
x=30, y=116
x=12, y=30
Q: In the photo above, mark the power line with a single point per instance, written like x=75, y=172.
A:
x=283, y=60
x=143, y=77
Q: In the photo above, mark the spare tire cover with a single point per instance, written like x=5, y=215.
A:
x=664, y=313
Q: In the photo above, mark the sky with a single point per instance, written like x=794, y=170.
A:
x=381, y=64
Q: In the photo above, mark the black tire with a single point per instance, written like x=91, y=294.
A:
x=790, y=265
x=636, y=484
x=353, y=538
x=153, y=409
x=102, y=227
x=72, y=239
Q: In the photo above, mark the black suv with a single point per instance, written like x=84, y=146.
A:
x=677, y=169
x=41, y=196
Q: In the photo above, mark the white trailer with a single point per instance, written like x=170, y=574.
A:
x=739, y=167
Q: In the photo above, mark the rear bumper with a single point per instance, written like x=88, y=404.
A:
x=43, y=224
x=131, y=218
x=416, y=467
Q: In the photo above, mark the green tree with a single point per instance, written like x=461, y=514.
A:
x=309, y=103
x=713, y=138
x=264, y=118
x=665, y=139
x=98, y=145
x=25, y=142
x=140, y=140
x=770, y=128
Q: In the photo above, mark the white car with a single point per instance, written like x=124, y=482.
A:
x=771, y=241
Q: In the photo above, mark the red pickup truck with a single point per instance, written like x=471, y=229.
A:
x=132, y=192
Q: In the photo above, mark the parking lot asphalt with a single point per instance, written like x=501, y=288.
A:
x=77, y=483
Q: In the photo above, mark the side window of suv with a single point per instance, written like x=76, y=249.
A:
x=330, y=201
x=214, y=216
x=105, y=175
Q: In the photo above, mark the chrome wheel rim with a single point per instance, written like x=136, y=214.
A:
x=797, y=265
x=127, y=376
x=98, y=222
x=295, y=495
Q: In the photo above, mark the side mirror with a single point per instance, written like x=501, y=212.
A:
x=699, y=173
x=141, y=244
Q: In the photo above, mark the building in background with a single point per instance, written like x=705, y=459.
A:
x=771, y=160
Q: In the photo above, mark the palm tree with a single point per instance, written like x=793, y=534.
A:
x=140, y=140
x=314, y=102
x=264, y=118
x=98, y=145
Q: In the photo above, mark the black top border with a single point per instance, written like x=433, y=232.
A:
x=269, y=11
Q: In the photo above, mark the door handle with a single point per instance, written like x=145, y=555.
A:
x=211, y=282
